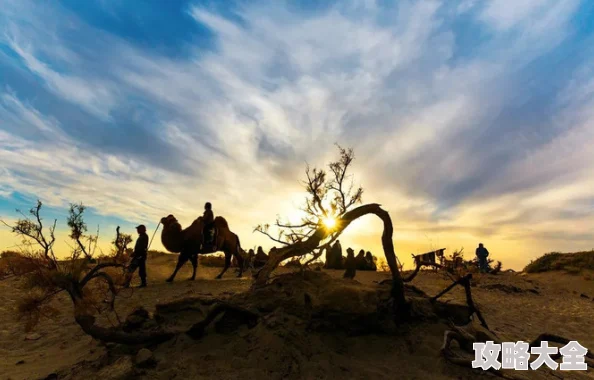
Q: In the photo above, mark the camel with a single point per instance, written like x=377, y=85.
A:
x=188, y=242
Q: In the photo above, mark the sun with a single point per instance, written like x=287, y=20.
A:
x=329, y=222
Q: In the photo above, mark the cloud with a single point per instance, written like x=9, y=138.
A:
x=453, y=139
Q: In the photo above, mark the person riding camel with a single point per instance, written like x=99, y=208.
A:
x=209, y=232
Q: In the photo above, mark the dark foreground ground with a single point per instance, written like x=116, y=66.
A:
x=518, y=307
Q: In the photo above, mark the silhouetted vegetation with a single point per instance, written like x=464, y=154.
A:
x=91, y=287
x=328, y=211
x=557, y=261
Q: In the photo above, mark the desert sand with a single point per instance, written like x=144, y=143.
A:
x=516, y=306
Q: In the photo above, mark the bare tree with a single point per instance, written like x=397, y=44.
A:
x=328, y=211
x=329, y=197
x=121, y=244
x=87, y=285
x=31, y=231
x=78, y=228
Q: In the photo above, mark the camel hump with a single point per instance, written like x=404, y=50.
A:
x=197, y=222
x=221, y=222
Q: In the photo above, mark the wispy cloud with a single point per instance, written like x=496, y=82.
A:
x=462, y=136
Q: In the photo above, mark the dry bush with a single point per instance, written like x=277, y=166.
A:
x=573, y=263
x=382, y=265
x=88, y=283
x=14, y=263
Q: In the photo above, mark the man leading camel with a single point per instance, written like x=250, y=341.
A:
x=139, y=257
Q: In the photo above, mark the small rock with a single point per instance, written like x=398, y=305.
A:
x=20, y=362
x=584, y=296
x=33, y=336
x=145, y=359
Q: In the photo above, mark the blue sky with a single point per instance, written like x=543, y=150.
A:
x=471, y=120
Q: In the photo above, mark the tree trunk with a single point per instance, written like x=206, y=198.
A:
x=87, y=323
x=307, y=246
x=109, y=335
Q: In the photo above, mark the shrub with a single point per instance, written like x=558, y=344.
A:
x=554, y=261
x=15, y=264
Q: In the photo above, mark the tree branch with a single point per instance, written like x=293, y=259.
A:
x=270, y=236
x=304, y=247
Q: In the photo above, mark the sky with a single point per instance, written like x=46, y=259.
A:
x=471, y=121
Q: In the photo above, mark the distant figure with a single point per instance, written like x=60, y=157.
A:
x=250, y=258
x=247, y=259
x=209, y=231
x=139, y=257
x=360, y=260
x=370, y=262
x=337, y=259
x=481, y=255
x=334, y=256
x=350, y=264
x=261, y=258
x=329, y=257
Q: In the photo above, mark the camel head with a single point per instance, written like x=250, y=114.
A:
x=171, y=235
x=168, y=220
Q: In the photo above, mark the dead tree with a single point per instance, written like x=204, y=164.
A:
x=31, y=231
x=78, y=228
x=330, y=199
x=78, y=278
x=120, y=244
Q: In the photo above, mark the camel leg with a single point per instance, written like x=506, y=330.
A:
x=240, y=262
x=194, y=261
x=181, y=260
x=227, y=264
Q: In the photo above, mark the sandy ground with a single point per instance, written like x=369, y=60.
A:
x=517, y=307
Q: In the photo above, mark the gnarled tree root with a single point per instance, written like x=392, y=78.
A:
x=467, y=335
x=420, y=264
x=465, y=282
x=87, y=323
x=198, y=329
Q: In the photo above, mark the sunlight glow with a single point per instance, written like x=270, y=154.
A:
x=329, y=222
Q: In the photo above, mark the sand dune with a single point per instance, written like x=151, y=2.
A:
x=517, y=307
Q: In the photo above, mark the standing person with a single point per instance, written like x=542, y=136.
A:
x=481, y=255
x=139, y=257
x=250, y=259
x=332, y=255
x=328, y=258
x=360, y=260
x=261, y=257
x=350, y=264
x=370, y=261
x=337, y=256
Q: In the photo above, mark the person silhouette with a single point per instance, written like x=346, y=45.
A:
x=208, y=217
x=370, y=261
x=481, y=255
x=139, y=257
x=350, y=264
